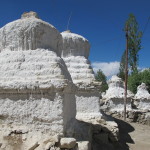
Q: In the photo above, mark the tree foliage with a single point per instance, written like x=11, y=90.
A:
x=145, y=77
x=100, y=77
x=134, y=46
x=136, y=78
x=121, y=73
x=134, y=42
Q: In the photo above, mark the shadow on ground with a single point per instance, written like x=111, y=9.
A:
x=124, y=138
x=124, y=130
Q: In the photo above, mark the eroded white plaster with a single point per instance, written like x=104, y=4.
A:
x=142, y=97
x=74, y=45
x=30, y=33
x=114, y=97
x=46, y=83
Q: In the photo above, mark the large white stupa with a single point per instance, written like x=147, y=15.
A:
x=46, y=83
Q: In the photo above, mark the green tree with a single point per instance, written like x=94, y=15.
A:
x=145, y=77
x=134, y=42
x=134, y=46
x=121, y=73
x=100, y=77
x=136, y=78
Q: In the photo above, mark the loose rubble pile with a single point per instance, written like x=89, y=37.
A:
x=138, y=105
x=49, y=99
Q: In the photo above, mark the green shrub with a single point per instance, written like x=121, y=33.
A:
x=135, y=79
x=100, y=77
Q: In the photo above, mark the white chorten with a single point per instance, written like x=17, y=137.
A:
x=46, y=81
x=116, y=89
x=142, y=92
x=142, y=98
x=114, y=96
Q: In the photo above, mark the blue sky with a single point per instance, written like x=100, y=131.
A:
x=100, y=21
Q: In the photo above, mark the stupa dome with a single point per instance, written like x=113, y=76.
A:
x=115, y=81
x=116, y=89
x=142, y=92
x=29, y=33
x=29, y=55
x=74, y=45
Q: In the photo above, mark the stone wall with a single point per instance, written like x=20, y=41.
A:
x=137, y=116
x=30, y=33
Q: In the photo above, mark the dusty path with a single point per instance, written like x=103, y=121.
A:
x=141, y=137
x=133, y=136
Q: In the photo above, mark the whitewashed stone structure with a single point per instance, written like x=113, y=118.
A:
x=35, y=86
x=114, y=96
x=142, y=97
x=138, y=105
x=75, y=54
x=46, y=81
x=142, y=92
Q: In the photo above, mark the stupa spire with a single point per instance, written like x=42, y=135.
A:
x=29, y=15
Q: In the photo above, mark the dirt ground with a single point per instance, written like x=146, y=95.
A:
x=133, y=136
x=140, y=137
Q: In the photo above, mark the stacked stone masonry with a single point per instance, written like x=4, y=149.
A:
x=48, y=93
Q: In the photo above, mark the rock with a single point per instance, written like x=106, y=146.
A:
x=54, y=148
x=3, y=146
x=33, y=146
x=83, y=145
x=52, y=139
x=49, y=145
x=67, y=143
x=111, y=128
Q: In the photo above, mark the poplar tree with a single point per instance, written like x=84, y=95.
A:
x=134, y=42
x=121, y=73
x=134, y=46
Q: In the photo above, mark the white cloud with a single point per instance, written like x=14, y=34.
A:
x=108, y=68
x=143, y=69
